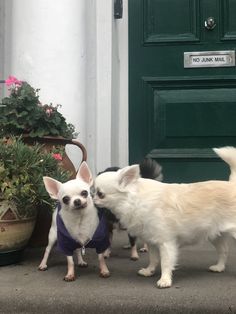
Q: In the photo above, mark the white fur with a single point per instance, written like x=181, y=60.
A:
x=81, y=223
x=228, y=155
x=167, y=216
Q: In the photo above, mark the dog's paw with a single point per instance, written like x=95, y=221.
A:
x=69, y=278
x=164, y=283
x=217, y=268
x=83, y=264
x=146, y=272
x=42, y=267
x=104, y=274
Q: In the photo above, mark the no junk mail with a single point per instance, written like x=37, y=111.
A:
x=209, y=59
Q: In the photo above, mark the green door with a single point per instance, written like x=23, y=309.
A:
x=182, y=85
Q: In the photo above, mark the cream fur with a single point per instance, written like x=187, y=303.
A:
x=167, y=216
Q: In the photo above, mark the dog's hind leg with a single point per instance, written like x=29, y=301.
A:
x=107, y=253
x=52, y=238
x=81, y=262
x=111, y=226
x=168, y=255
x=104, y=271
x=153, y=262
x=221, y=245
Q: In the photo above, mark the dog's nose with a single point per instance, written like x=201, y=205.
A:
x=77, y=203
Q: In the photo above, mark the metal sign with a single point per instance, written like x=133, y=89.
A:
x=209, y=59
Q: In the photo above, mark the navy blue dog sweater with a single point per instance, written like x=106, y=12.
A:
x=67, y=245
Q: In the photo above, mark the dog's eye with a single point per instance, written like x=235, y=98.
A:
x=100, y=194
x=66, y=200
x=84, y=193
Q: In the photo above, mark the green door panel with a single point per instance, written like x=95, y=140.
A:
x=159, y=30
x=176, y=114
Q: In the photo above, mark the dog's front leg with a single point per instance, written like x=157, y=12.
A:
x=43, y=265
x=168, y=255
x=52, y=238
x=70, y=276
x=153, y=262
x=104, y=271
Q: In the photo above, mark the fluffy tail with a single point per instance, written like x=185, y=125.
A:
x=228, y=154
x=150, y=169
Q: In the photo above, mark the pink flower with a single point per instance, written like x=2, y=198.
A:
x=48, y=112
x=57, y=156
x=12, y=80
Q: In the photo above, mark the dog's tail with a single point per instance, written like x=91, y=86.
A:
x=228, y=154
x=150, y=169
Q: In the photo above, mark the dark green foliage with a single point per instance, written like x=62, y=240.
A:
x=22, y=168
x=24, y=114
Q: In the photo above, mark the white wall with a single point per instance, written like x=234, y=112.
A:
x=119, y=145
x=77, y=54
x=46, y=50
x=109, y=104
x=2, y=55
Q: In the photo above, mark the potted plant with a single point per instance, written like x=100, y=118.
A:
x=22, y=193
x=22, y=114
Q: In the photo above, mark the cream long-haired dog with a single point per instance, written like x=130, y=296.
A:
x=167, y=216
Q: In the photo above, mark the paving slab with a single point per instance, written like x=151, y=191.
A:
x=24, y=289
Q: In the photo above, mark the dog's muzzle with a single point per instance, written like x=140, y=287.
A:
x=78, y=204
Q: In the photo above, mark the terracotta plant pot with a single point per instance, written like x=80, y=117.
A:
x=15, y=232
x=50, y=142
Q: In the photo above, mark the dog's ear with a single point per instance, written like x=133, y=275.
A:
x=84, y=173
x=52, y=186
x=128, y=175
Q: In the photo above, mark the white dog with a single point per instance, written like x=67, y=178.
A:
x=76, y=222
x=167, y=216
